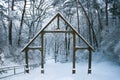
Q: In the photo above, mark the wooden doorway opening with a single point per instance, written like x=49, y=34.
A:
x=58, y=29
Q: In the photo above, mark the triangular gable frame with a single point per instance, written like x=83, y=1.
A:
x=90, y=48
x=69, y=25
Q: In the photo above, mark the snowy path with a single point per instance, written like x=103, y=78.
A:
x=58, y=71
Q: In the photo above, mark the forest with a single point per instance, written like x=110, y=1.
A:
x=98, y=21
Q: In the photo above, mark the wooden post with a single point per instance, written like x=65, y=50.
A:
x=26, y=61
x=74, y=55
x=42, y=52
x=58, y=27
x=89, y=61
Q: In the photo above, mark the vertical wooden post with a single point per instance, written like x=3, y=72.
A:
x=26, y=61
x=42, y=52
x=74, y=55
x=58, y=25
x=89, y=61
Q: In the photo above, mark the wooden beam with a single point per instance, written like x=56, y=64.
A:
x=58, y=23
x=58, y=31
x=89, y=61
x=34, y=47
x=81, y=48
x=26, y=61
x=74, y=54
x=42, y=52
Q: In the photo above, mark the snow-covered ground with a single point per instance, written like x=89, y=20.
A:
x=63, y=71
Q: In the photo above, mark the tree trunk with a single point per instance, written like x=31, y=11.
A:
x=21, y=24
x=10, y=25
x=10, y=33
x=66, y=45
x=56, y=51
x=106, y=11
x=89, y=23
x=99, y=28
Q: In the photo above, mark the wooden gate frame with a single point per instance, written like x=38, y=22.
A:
x=75, y=48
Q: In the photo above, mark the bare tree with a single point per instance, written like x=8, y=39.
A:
x=68, y=13
x=37, y=13
x=10, y=24
x=21, y=24
x=100, y=27
x=106, y=11
x=90, y=25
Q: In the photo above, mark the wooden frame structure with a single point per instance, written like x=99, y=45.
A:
x=41, y=48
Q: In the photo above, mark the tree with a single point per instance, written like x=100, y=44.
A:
x=3, y=27
x=32, y=16
x=115, y=9
x=68, y=12
x=106, y=11
x=10, y=23
x=21, y=24
x=91, y=29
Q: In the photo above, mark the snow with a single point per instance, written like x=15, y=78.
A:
x=117, y=47
x=62, y=71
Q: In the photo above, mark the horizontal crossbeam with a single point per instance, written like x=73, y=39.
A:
x=81, y=48
x=58, y=31
x=34, y=47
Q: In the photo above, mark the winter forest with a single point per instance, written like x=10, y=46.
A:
x=97, y=21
